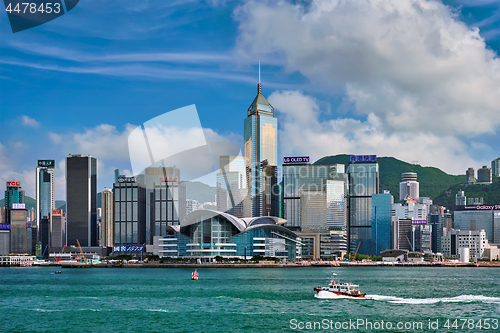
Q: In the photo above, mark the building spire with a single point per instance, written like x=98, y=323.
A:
x=259, y=86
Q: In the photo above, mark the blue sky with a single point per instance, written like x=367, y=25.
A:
x=415, y=81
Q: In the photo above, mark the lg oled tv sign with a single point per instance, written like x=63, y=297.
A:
x=26, y=14
x=296, y=160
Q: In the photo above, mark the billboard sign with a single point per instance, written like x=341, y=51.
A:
x=4, y=226
x=295, y=160
x=414, y=222
x=479, y=207
x=29, y=225
x=46, y=163
x=128, y=248
x=13, y=184
x=18, y=206
x=168, y=179
x=126, y=179
x=363, y=158
x=57, y=212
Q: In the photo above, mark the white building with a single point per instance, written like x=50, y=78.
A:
x=410, y=210
x=408, y=187
x=191, y=206
x=475, y=241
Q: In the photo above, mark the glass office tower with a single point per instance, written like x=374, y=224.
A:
x=363, y=182
x=45, y=197
x=381, y=222
x=260, y=143
x=129, y=212
x=81, y=200
x=13, y=195
x=302, y=178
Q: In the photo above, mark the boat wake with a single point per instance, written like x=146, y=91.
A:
x=457, y=299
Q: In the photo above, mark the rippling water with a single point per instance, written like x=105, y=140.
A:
x=246, y=300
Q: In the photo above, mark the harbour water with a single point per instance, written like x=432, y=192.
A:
x=36, y=299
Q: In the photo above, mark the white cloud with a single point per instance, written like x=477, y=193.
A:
x=351, y=136
x=30, y=122
x=409, y=63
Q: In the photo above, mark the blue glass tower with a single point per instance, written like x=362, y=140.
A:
x=381, y=222
x=260, y=140
x=13, y=195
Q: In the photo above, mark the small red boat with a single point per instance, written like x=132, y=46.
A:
x=194, y=275
x=340, y=289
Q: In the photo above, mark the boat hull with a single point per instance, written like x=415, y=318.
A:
x=317, y=290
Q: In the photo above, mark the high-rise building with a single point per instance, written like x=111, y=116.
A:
x=232, y=188
x=107, y=218
x=336, y=205
x=469, y=175
x=408, y=187
x=438, y=224
x=165, y=200
x=495, y=167
x=363, y=182
x=81, y=200
x=20, y=239
x=381, y=222
x=270, y=190
x=58, y=230
x=45, y=186
x=13, y=196
x=484, y=175
x=129, y=212
x=475, y=218
x=301, y=178
x=191, y=206
x=260, y=144
x=460, y=198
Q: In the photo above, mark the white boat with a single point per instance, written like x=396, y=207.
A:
x=340, y=289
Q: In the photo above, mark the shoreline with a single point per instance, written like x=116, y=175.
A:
x=289, y=265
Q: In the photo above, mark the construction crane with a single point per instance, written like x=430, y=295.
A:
x=354, y=258
x=357, y=250
x=83, y=256
x=44, y=250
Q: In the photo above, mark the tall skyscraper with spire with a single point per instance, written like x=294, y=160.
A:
x=261, y=144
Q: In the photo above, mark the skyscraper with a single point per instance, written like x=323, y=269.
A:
x=45, y=185
x=495, y=167
x=129, y=212
x=484, y=175
x=81, y=200
x=232, y=188
x=363, y=182
x=260, y=143
x=13, y=195
x=408, y=187
x=107, y=220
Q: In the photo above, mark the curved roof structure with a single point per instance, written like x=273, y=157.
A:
x=250, y=221
x=195, y=216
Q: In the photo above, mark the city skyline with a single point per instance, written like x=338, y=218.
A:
x=85, y=99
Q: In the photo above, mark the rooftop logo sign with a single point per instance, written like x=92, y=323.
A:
x=295, y=160
x=363, y=158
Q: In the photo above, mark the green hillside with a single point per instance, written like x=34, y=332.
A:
x=432, y=180
x=490, y=194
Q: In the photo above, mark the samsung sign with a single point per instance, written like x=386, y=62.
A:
x=295, y=160
x=478, y=207
x=4, y=226
x=18, y=206
x=363, y=158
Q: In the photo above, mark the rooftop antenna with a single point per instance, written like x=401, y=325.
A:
x=259, y=70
